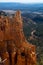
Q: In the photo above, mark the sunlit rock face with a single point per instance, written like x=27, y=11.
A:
x=14, y=48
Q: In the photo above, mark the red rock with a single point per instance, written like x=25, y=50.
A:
x=19, y=51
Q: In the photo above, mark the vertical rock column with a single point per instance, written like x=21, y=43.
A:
x=3, y=44
x=18, y=29
x=21, y=42
x=10, y=41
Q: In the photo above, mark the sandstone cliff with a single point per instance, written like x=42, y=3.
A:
x=13, y=44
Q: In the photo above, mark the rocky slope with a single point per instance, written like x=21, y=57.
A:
x=14, y=48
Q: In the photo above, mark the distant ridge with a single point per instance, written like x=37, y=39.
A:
x=19, y=6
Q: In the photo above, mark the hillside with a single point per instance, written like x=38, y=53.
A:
x=23, y=7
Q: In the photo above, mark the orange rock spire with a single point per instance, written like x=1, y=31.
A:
x=15, y=47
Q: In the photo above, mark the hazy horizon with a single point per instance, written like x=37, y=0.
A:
x=23, y=1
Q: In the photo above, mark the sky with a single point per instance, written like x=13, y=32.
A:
x=23, y=1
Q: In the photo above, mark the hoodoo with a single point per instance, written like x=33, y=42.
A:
x=14, y=48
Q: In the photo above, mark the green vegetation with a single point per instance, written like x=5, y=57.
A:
x=37, y=40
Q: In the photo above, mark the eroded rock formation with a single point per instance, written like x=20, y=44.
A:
x=14, y=48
